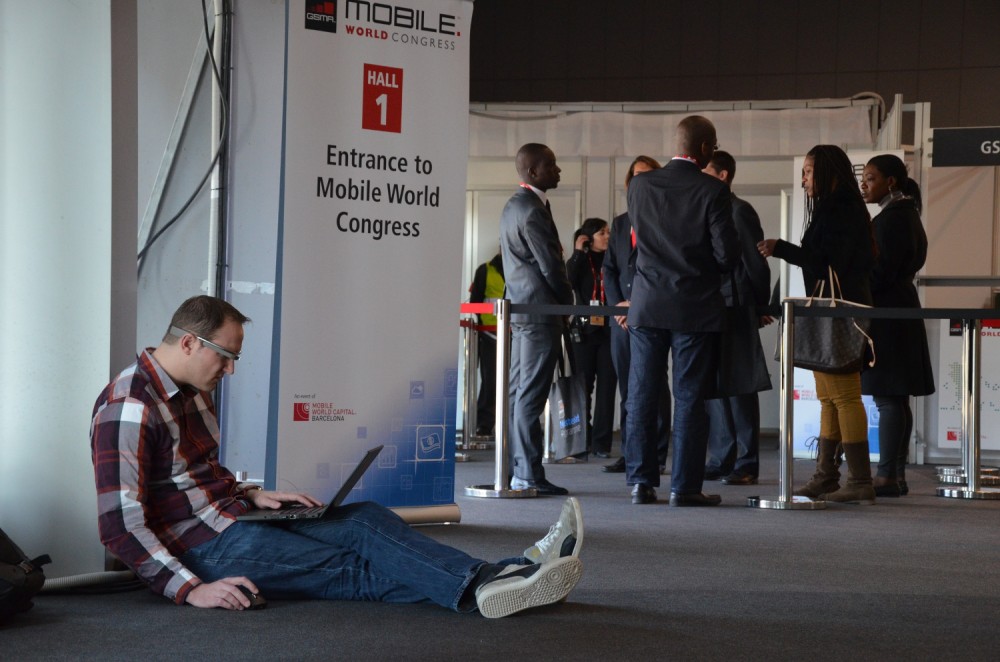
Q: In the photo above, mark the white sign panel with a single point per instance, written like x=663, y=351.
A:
x=373, y=206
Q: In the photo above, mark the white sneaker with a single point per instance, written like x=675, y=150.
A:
x=565, y=537
x=520, y=587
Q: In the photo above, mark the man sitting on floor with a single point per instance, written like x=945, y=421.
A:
x=168, y=509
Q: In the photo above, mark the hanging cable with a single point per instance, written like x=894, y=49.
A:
x=219, y=147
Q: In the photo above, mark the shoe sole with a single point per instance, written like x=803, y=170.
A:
x=552, y=583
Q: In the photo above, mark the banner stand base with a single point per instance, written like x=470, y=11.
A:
x=490, y=492
x=795, y=503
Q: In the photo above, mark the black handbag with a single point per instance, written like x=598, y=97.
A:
x=742, y=367
x=568, y=408
x=831, y=344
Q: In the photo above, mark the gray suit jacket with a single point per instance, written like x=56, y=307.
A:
x=685, y=240
x=532, y=257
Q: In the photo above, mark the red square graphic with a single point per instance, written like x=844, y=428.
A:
x=382, y=100
x=301, y=411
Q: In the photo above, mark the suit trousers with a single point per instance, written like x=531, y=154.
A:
x=593, y=360
x=486, y=402
x=734, y=435
x=534, y=351
x=695, y=357
x=621, y=356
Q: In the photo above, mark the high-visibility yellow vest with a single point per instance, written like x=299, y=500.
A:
x=493, y=291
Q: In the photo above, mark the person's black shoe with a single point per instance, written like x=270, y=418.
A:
x=542, y=487
x=713, y=474
x=681, y=500
x=616, y=467
x=643, y=494
x=737, y=478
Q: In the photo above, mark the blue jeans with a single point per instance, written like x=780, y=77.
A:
x=365, y=552
x=695, y=357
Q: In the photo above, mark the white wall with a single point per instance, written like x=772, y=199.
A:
x=55, y=271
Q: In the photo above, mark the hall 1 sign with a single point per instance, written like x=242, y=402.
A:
x=978, y=146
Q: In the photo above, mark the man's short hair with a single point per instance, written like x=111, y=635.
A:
x=724, y=161
x=203, y=315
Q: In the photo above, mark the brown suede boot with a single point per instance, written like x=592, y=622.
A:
x=827, y=476
x=859, y=488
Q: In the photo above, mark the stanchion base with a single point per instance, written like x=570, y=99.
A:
x=569, y=459
x=957, y=493
x=491, y=492
x=984, y=479
x=462, y=457
x=796, y=503
x=483, y=438
x=954, y=470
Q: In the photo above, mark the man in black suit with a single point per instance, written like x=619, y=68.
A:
x=619, y=271
x=536, y=274
x=686, y=240
x=734, y=422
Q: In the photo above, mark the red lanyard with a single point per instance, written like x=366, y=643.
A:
x=598, y=278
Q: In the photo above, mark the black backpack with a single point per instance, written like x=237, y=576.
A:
x=20, y=578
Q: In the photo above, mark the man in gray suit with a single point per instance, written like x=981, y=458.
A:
x=535, y=273
x=685, y=241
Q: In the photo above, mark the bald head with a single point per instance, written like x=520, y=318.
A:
x=696, y=138
x=536, y=165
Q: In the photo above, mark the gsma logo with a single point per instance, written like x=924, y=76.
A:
x=321, y=15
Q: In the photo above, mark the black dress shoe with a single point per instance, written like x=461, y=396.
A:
x=643, y=494
x=680, y=500
x=736, y=478
x=616, y=467
x=713, y=474
x=542, y=487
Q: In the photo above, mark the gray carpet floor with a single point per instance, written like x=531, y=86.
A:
x=912, y=578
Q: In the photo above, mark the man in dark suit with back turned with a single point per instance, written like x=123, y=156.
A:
x=734, y=422
x=619, y=271
x=686, y=240
x=536, y=274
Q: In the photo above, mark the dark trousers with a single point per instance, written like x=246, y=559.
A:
x=620, y=357
x=534, y=350
x=592, y=357
x=734, y=435
x=695, y=357
x=487, y=400
x=895, y=423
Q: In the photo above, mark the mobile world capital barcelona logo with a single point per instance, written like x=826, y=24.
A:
x=321, y=15
x=320, y=411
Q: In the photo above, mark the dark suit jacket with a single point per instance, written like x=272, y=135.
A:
x=686, y=240
x=532, y=257
x=619, y=262
x=753, y=276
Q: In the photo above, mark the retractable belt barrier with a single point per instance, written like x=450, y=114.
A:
x=971, y=366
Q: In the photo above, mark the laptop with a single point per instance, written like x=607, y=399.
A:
x=314, y=512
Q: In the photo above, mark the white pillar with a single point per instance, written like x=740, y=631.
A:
x=64, y=298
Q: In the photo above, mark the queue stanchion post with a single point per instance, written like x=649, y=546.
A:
x=501, y=482
x=971, y=419
x=469, y=386
x=786, y=500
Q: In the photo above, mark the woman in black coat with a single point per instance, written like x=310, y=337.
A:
x=903, y=363
x=591, y=334
x=837, y=236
